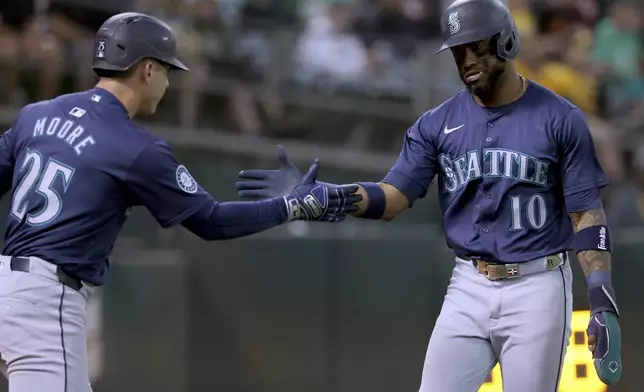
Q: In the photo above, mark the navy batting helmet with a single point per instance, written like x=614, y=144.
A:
x=125, y=39
x=467, y=21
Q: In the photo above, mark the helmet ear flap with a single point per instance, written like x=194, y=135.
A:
x=508, y=44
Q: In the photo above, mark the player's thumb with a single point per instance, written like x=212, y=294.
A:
x=592, y=343
x=312, y=173
x=283, y=158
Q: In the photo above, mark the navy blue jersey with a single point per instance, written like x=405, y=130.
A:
x=504, y=173
x=76, y=165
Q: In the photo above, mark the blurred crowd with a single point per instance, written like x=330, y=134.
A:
x=249, y=56
x=591, y=52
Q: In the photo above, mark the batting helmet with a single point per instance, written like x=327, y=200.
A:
x=467, y=21
x=127, y=38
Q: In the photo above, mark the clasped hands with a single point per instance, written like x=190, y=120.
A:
x=305, y=198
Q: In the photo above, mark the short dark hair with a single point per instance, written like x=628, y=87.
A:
x=111, y=74
x=120, y=75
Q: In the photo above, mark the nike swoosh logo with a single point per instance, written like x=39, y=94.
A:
x=450, y=130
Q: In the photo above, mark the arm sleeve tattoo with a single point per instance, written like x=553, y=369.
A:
x=591, y=260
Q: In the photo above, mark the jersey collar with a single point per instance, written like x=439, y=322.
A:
x=108, y=100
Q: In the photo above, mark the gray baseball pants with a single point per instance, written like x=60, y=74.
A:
x=42, y=329
x=521, y=323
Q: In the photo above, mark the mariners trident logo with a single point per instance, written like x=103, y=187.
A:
x=185, y=180
x=454, y=23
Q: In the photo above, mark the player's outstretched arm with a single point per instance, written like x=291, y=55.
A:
x=379, y=200
x=592, y=244
x=7, y=161
x=159, y=181
x=308, y=201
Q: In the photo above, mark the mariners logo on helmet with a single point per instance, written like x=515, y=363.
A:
x=185, y=180
x=454, y=23
x=100, y=49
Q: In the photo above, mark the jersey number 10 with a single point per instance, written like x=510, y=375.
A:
x=535, y=212
x=42, y=177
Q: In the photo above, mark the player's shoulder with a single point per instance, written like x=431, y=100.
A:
x=554, y=104
x=147, y=141
x=34, y=108
x=144, y=136
x=446, y=108
x=48, y=106
x=449, y=111
x=559, y=114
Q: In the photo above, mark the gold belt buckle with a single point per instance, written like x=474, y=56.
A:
x=494, y=271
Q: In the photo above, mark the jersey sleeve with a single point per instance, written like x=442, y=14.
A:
x=7, y=160
x=580, y=168
x=416, y=166
x=159, y=181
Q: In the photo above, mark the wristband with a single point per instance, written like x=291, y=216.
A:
x=377, y=200
x=593, y=238
x=599, y=278
x=602, y=298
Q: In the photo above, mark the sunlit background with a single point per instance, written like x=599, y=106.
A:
x=320, y=307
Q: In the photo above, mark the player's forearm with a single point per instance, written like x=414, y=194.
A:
x=227, y=220
x=591, y=260
x=592, y=244
x=394, y=202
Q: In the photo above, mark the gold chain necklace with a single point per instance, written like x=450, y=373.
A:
x=524, y=85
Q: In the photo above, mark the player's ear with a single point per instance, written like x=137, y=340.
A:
x=148, y=66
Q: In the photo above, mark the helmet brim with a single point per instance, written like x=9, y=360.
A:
x=443, y=48
x=177, y=64
x=463, y=39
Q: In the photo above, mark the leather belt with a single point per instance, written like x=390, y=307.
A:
x=23, y=264
x=497, y=271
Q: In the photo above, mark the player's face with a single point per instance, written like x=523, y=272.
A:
x=479, y=67
x=156, y=78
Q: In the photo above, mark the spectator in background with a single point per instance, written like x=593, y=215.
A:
x=557, y=59
x=258, y=53
x=541, y=59
x=398, y=22
x=556, y=16
x=523, y=17
x=329, y=52
x=75, y=22
x=23, y=44
x=626, y=208
x=197, y=25
x=268, y=14
x=618, y=50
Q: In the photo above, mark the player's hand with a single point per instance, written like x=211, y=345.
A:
x=264, y=184
x=604, y=341
x=313, y=201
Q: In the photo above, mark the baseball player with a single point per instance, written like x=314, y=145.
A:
x=76, y=165
x=519, y=186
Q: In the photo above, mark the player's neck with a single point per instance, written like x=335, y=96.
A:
x=509, y=88
x=123, y=93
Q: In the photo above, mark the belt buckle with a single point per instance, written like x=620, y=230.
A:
x=494, y=271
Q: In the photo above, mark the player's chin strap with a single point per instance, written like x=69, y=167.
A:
x=603, y=307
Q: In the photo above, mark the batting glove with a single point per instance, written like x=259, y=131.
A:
x=264, y=184
x=604, y=339
x=312, y=201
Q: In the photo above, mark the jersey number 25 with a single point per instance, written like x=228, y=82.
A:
x=41, y=177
